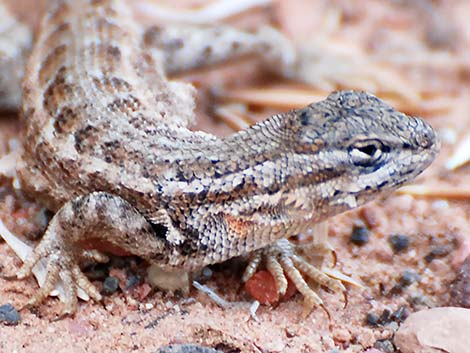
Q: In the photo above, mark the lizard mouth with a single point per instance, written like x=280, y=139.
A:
x=428, y=145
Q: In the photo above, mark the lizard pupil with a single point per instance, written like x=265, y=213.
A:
x=366, y=153
x=370, y=150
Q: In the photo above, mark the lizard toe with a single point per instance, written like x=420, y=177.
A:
x=61, y=266
x=283, y=260
x=95, y=256
x=83, y=282
x=48, y=285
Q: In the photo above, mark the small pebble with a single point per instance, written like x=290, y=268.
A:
x=420, y=300
x=9, y=315
x=372, y=319
x=110, y=285
x=460, y=288
x=409, y=277
x=443, y=329
x=393, y=326
x=400, y=314
x=399, y=242
x=290, y=332
x=438, y=252
x=360, y=235
x=132, y=281
x=207, y=273
x=385, y=346
x=385, y=317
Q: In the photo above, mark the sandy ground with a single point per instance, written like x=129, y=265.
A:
x=437, y=228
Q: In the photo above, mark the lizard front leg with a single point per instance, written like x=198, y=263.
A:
x=301, y=260
x=265, y=236
x=282, y=261
x=96, y=216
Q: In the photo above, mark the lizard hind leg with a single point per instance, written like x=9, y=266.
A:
x=96, y=216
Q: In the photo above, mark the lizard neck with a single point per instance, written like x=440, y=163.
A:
x=266, y=142
x=258, y=160
x=266, y=139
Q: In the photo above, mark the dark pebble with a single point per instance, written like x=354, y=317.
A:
x=460, y=288
x=9, y=315
x=399, y=242
x=400, y=314
x=290, y=333
x=385, y=346
x=372, y=319
x=409, y=277
x=110, y=285
x=419, y=301
x=186, y=348
x=132, y=281
x=385, y=318
x=360, y=235
x=438, y=252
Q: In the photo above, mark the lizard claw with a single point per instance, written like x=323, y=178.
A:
x=61, y=265
x=282, y=262
x=95, y=256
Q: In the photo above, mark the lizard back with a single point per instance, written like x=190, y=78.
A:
x=96, y=102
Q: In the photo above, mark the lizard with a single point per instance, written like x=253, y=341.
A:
x=108, y=148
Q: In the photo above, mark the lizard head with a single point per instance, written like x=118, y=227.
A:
x=355, y=147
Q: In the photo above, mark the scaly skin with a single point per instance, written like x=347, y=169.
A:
x=107, y=147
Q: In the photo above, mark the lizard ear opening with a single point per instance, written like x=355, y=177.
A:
x=304, y=118
x=159, y=229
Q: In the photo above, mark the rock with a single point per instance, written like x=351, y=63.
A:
x=110, y=285
x=438, y=252
x=360, y=235
x=408, y=277
x=460, y=288
x=372, y=319
x=400, y=314
x=399, y=242
x=262, y=287
x=9, y=315
x=385, y=346
x=462, y=253
x=435, y=330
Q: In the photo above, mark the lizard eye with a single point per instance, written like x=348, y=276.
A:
x=366, y=153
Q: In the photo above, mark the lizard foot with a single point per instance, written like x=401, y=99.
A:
x=61, y=264
x=282, y=261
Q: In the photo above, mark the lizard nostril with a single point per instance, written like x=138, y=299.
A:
x=425, y=136
x=426, y=139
